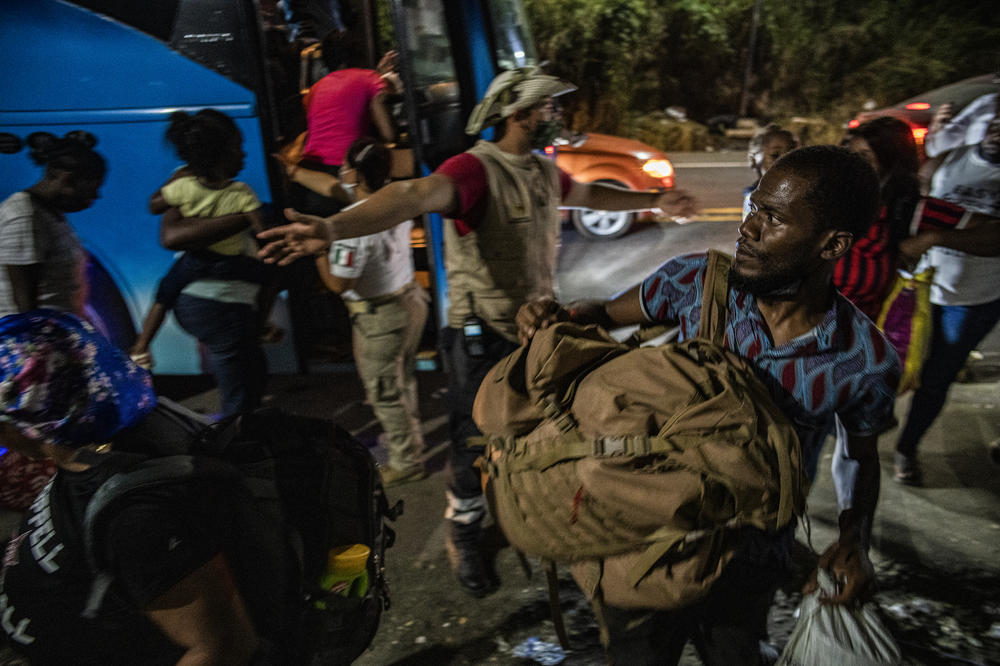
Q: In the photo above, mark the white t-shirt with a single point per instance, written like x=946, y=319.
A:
x=36, y=234
x=965, y=178
x=380, y=263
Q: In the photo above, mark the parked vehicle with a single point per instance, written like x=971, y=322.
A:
x=601, y=158
x=918, y=110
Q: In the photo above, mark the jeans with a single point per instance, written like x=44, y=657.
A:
x=465, y=374
x=957, y=331
x=205, y=264
x=726, y=626
x=229, y=333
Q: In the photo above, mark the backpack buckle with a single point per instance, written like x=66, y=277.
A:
x=610, y=446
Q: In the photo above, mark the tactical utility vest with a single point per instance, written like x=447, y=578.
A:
x=511, y=256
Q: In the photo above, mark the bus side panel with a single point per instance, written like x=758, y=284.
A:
x=61, y=56
x=81, y=71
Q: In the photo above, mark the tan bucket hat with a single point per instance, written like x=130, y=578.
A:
x=512, y=90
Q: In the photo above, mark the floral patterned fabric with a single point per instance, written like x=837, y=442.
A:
x=21, y=478
x=62, y=382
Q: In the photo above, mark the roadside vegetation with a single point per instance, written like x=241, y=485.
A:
x=815, y=60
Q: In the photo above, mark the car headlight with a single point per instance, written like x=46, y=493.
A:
x=658, y=168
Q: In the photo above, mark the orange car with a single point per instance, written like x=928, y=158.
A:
x=600, y=158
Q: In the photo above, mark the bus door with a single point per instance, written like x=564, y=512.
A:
x=449, y=51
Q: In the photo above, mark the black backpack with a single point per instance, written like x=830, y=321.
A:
x=300, y=486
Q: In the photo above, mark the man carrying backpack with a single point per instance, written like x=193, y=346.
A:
x=65, y=393
x=500, y=251
x=818, y=356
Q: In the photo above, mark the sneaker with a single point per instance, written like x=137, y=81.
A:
x=908, y=470
x=397, y=477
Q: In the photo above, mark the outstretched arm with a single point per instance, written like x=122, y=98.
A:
x=320, y=182
x=980, y=237
x=394, y=203
x=597, y=196
x=948, y=131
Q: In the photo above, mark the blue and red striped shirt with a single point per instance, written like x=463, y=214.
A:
x=843, y=366
x=865, y=274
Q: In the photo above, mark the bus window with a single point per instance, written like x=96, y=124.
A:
x=514, y=45
x=219, y=34
x=428, y=49
x=153, y=17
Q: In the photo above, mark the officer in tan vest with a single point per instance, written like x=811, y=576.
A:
x=501, y=200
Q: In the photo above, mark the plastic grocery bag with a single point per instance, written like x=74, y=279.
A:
x=834, y=635
x=906, y=321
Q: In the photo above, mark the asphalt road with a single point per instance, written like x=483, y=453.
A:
x=598, y=269
x=934, y=547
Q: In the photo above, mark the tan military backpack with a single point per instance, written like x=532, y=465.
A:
x=636, y=465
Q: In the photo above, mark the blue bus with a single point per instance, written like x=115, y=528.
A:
x=119, y=68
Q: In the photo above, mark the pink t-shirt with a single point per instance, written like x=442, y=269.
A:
x=337, y=112
x=468, y=175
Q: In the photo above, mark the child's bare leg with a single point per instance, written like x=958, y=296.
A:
x=150, y=325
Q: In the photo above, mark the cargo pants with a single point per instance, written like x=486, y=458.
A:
x=387, y=333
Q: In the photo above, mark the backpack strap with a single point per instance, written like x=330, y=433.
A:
x=572, y=445
x=116, y=492
x=715, y=297
x=555, y=607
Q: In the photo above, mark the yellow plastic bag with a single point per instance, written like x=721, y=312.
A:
x=906, y=321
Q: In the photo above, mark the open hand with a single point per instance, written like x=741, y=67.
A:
x=678, y=204
x=387, y=63
x=307, y=235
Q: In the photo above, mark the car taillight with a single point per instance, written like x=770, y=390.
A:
x=918, y=134
x=661, y=169
x=918, y=106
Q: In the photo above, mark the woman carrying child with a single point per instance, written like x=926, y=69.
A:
x=214, y=291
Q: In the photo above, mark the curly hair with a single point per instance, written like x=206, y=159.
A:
x=203, y=141
x=73, y=152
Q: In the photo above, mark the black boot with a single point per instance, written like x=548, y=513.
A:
x=466, y=560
